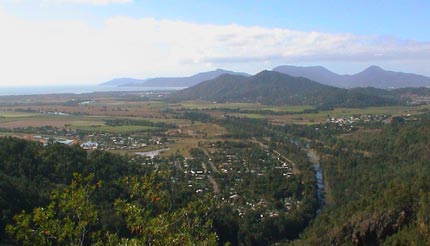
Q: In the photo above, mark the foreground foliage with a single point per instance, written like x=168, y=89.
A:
x=108, y=201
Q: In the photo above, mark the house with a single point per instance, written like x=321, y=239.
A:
x=89, y=145
x=66, y=142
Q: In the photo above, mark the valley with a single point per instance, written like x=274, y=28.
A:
x=214, y=123
x=253, y=160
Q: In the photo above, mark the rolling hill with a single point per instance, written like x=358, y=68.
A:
x=270, y=87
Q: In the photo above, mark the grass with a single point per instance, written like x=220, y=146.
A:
x=98, y=124
x=157, y=105
x=192, y=133
x=389, y=110
x=249, y=115
x=112, y=129
x=210, y=105
x=154, y=120
x=89, y=123
x=12, y=114
x=11, y=119
x=202, y=132
x=292, y=109
x=35, y=120
x=182, y=146
x=314, y=118
x=241, y=106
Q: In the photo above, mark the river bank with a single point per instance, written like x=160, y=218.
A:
x=315, y=160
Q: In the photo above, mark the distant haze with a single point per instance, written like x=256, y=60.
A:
x=373, y=76
x=171, y=81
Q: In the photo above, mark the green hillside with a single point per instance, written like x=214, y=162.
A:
x=273, y=88
x=377, y=187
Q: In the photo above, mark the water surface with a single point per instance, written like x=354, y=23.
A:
x=41, y=90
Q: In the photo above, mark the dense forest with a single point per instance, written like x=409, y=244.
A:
x=377, y=187
x=62, y=195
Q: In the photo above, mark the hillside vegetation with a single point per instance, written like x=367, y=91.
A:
x=275, y=88
x=61, y=195
x=378, y=187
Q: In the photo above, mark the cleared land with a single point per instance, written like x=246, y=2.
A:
x=90, y=113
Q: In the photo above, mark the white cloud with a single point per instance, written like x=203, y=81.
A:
x=57, y=51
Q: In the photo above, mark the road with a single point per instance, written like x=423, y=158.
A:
x=215, y=185
x=292, y=163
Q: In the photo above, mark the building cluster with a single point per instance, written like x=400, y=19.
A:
x=350, y=123
x=227, y=173
x=97, y=140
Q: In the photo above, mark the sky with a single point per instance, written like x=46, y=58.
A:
x=86, y=42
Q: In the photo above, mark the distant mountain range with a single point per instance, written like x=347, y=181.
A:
x=271, y=87
x=373, y=76
x=122, y=82
x=171, y=81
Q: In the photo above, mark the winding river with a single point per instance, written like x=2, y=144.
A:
x=314, y=158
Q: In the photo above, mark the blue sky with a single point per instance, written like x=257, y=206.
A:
x=126, y=38
x=403, y=19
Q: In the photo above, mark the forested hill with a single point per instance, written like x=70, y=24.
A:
x=378, y=186
x=274, y=88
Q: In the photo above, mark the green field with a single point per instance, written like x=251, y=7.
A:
x=313, y=118
x=13, y=114
x=249, y=115
x=344, y=112
x=92, y=124
x=114, y=129
x=241, y=106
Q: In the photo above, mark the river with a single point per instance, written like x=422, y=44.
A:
x=314, y=158
x=60, y=89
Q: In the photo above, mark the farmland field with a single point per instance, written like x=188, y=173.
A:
x=87, y=113
x=241, y=106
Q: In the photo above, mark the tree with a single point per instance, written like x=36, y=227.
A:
x=67, y=220
x=151, y=223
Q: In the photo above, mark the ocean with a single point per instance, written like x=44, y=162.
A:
x=40, y=90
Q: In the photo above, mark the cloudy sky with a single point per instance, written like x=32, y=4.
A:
x=53, y=42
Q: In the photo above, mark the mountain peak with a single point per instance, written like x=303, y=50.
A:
x=315, y=73
x=267, y=87
x=269, y=74
x=263, y=72
x=374, y=68
x=271, y=87
x=373, y=76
